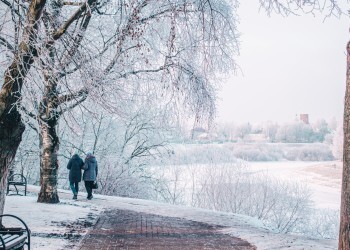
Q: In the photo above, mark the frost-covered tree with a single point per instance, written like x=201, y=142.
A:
x=337, y=143
x=18, y=36
x=102, y=49
x=321, y=129
x=295, y=132
x=124, y=146
x=270, y=130
x=225, y=131
x=333, y=124
x=242, y=130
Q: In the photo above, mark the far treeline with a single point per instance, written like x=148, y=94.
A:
x=290, y=132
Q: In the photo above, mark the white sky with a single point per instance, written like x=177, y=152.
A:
x=289, y=66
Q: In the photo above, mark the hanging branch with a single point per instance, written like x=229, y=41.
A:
x=78, y=14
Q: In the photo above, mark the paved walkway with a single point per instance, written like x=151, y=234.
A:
x=121, y=229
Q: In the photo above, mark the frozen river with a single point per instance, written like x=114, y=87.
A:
x=323, y=178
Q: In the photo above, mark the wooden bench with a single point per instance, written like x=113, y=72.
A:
x=14, y=237
x=17, y=180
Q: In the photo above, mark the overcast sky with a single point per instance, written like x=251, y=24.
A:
x=289, y=66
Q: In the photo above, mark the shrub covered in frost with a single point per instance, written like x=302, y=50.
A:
x=310, y=152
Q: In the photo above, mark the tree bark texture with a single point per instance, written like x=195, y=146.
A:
x=49, y=144
x=344, y=231
x=11, y=126
x=11, y=130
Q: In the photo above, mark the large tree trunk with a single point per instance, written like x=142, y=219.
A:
x=49, y=141
x=344, y=232
x=49, y=144
x=11, y=126
x=11, y=130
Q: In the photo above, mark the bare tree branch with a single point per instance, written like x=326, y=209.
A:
x=76, y=42
x=73, y=96
x=28, y=113
x=73, y=3
x=12, y=8
x=136, y=72
x=5, y=43
x=78, y=14
x=72, y=106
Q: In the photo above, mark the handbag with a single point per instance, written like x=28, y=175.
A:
x=94, y=185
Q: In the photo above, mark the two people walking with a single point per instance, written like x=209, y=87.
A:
x=75, y=166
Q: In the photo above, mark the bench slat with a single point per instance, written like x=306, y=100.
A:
x=11, y=238
x=18, y=241
x=5, y=237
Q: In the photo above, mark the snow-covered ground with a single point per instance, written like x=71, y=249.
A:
x=55, y=226
x=52, y=225
x=323, y=178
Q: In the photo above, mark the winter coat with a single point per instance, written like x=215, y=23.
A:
x=75, y=165
x=90, y=168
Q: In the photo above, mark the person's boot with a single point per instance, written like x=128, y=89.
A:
x=75, y=196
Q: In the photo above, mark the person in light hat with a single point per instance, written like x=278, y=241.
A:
x=90, y=173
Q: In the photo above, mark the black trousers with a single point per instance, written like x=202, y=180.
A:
x=88, y=188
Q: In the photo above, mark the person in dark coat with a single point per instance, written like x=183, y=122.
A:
x=75, y=165
x=90, y=173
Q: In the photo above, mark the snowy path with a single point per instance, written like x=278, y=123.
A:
x=240, y=226
x=124, y=229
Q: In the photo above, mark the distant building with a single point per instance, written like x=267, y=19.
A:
x=304, y=118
